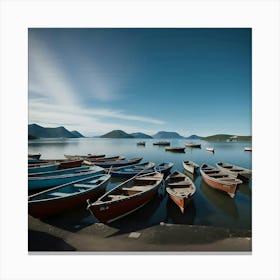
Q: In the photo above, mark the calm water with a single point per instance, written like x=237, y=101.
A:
x=209, y=206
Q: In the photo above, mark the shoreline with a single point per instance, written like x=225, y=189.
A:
x=162, y=238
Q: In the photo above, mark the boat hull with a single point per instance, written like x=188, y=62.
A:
x=43, y=168
x=190, y=168
x=111, y=211
x=43, y=209
x=181, y=202
x=37, y=183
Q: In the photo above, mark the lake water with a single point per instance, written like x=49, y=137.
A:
x=209, y=206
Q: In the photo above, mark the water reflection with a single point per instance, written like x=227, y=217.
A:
x=220, y=199
x=245, y=189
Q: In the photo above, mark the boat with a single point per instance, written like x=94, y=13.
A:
x=132, y=170
x=117, y=163
x=239, y=172
x=248, y=149
x=34, y=156
x=141, y=143
x=42, y=167
x=164, y=167
x=175, y=149
x=88, y=156
x=180, y=189
x=162, y=143
x=60, y=198
x=210, y=149
x=43, y=182
x=105, y=159
x=126, y=198
x=193, y=145
x=219, y=179
x=190, y=166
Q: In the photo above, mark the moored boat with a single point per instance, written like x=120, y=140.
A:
x=193, y=145
x=60, y=198
x=239, y=172
x=43, y=182
x=175, y=149
x=190, y=166
x=180, y=189
x=88, y=156
x=162, y=143
x=132, y=170
x=248, y=149
x=114, y=158
x=43, y=167
x=34, y=156
x=219, y=179
x=164, y=167
x=126, y=197
x=141, y=143
x=210, y=149
x=117, y=163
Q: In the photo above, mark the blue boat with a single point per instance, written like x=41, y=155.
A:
x=63, y=197
x=132, y=170
x=164, y=167
x=60, y=171
x=43, y=167
x=43, y=182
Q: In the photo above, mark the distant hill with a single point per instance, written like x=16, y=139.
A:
x=140, y=135
x=116, y=134
x=77, y=134
x=167, y=135
x=194, y=137
x=47, y=132
x=227, y=137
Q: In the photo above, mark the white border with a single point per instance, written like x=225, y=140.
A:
x=262, y=16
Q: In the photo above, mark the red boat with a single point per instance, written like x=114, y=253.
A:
x=220, y=180
x=60, y=198
x=126, y=197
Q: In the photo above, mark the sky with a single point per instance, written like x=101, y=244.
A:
x=187, y=80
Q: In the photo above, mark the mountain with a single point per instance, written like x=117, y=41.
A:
x=77, y=134
x=141, y=135
x=116, y=134
x=49, y=132
x=167, y=135
x=194, y=137
x=227, y=137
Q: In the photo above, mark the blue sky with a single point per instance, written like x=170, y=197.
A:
x=188, y=80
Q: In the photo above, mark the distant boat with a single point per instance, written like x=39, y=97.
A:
x=43, y=182
x=117, y=163
x=248, y=149
x=239, y=172
x=162, y=143
x=180, y=189
x=132, y=170
x=34, y=156
x=175, y=149
x=126, y=198
x=141, y=143
x=193, y=145
x=190, y=166
x=210, y=149
x=60, y=198
x=220, y=180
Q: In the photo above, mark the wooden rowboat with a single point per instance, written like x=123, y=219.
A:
x=209, y=149
x=43, y=182
x=238, y=172
x=193, y=145
x=220, y=180
x=132, y=170
x=117, y=163
x=52, y=165
x=190, y=166
x=162, y=143
x=175, y=149
x=248, y=149
x=164, y=167
x=63, y=197
x=43, y=167
x=34, y=156
x=180, y=189
x=126, y=197
x=105, y=159
x=74, y=157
